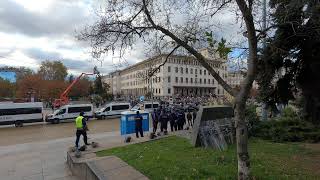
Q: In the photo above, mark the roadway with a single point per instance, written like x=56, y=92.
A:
x=11, y=135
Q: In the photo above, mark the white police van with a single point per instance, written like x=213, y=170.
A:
x=19, y=113
x=113, y=109
x=146, y=106
x=70, y=112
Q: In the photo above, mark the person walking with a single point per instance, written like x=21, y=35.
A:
x=189, y=118
x=163, y=121
x=138, y=120
x=172, y=121
x=194, y=115
x=82, y=128
x=181, y=120
x=155, y=120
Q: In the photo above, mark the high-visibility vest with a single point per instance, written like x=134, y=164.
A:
x=79, y=124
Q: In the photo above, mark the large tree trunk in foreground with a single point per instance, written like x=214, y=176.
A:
x=242, y=96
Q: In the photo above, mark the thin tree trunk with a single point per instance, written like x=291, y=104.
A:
x=242, y=96
x=242, y=143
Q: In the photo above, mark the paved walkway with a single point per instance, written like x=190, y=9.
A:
x=45, y=160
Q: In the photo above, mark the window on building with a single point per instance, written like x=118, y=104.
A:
x=186, y=70
x=181, y=79
x=169, y=68
x=177, y=70
x=204, y=81
x=169, y=91
x=208, y=81
x=181, y=70
x=200, y=72
x=218, y=91
x=176, y=79
x=200, y=80
x=169, y=79
x=159, y=91
x=205, y=72
x=191, y=71
x=156, y=91
x=187, y=80
x=196, y=80
x=196, y=71
x=212, y=81
x=191, y=80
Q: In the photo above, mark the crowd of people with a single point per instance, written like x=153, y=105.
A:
x=176, y=118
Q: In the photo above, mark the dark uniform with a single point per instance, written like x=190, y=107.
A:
x=164, y=120
x=138, y=120
x=189, y=118
x=194, y=115
x=181, y=120
x=173, y=121
x=155, y=120
x=81, y=126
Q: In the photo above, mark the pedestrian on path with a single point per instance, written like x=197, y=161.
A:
x=82, y=128
x=189, y=118
x=155, y=120
x=194, y=115
x=138, y=120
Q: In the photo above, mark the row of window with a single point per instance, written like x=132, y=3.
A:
x=189, y=61
x=186, y=70
x=205, y=81
x=156, y=91
x=6, y=112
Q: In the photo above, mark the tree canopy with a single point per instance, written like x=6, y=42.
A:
x=291, y=58
x=53, y=70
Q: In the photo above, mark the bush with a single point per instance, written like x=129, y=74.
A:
x=288, y=127
x=252, y=119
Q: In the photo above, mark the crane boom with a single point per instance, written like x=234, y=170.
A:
x=64, y=96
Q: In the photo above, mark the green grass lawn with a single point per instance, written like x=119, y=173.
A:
x=175, y=158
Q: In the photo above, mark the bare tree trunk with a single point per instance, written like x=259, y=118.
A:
x=242, y=96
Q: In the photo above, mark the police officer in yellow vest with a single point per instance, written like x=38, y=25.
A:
x=81, y=126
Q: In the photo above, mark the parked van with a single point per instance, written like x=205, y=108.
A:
x=113, y=109
x=68, y=112
x=19, y=113
x=146, y=106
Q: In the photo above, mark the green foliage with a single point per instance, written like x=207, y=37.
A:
x=252, y=119
x=294, y=50
x=175, y=158
x=53, y=70
x=288, y=127
x=222, y=49
x=7, y=89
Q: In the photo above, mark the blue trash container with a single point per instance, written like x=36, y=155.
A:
x=128, y=123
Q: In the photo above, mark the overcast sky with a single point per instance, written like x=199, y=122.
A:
x=32, y=31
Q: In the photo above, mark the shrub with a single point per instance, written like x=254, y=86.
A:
x=252, y=119
x=288, y=127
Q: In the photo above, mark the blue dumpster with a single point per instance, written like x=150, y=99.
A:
x=128, y=123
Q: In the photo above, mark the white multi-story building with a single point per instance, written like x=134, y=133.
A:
x=179, y=76
x=235, y=78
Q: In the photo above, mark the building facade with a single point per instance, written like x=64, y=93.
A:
x=235, y=78
x=177, y=76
